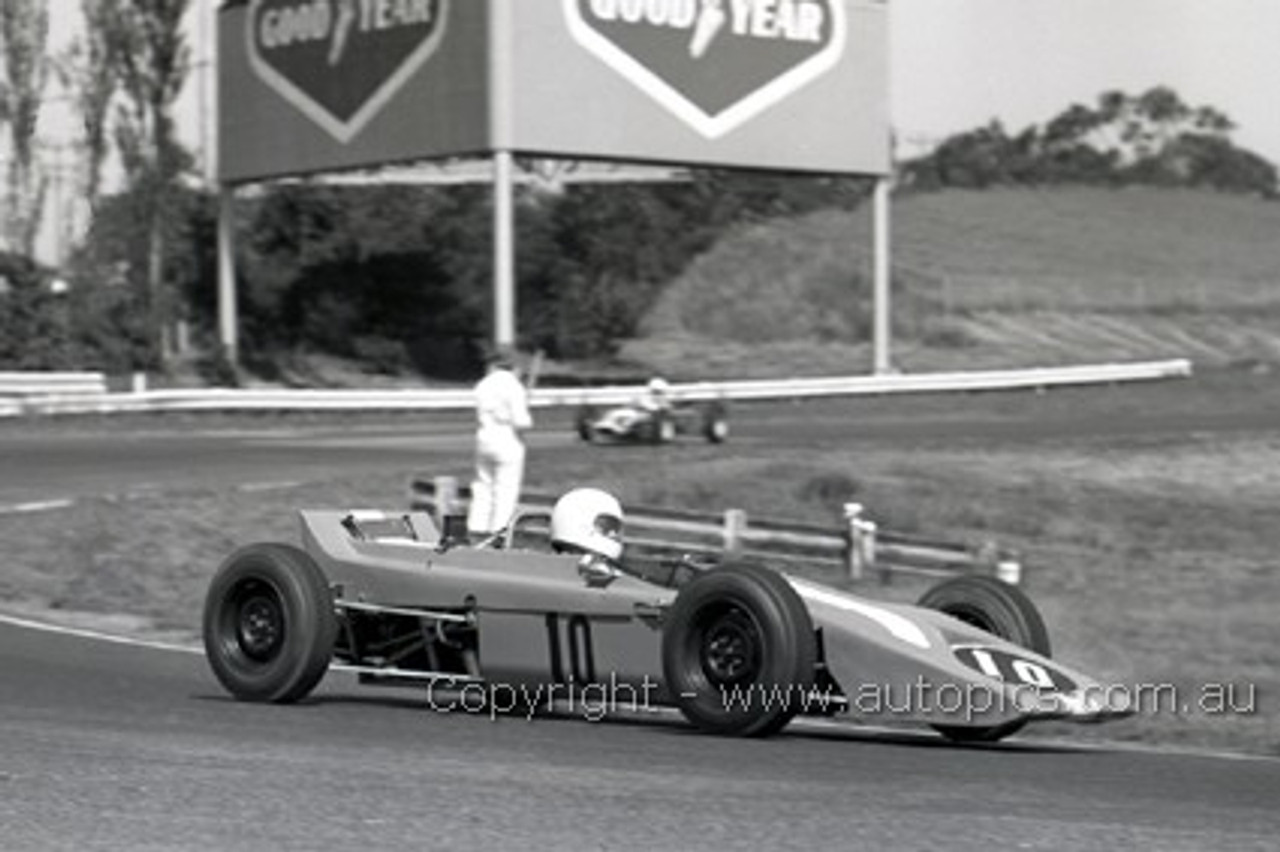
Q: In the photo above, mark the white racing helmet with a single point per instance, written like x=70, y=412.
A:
x=588, y=520
x=658, y=386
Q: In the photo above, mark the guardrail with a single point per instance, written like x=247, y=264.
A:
x=95, y=402
x=857, y=550
x=43, y=383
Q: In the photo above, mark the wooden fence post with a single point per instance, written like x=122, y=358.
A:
x=853, y=540
x=735, y=521
x=1008, y=567
x=860, y=537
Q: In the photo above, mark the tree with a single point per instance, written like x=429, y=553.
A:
x=88, y=70
x=24, y=70
x=978, y=158
x=387, y=275
x=1153, y=120
x=1209, y=121
x=1071, y=127
x=147, y=51
x=1153, y=138
x=1208, y=161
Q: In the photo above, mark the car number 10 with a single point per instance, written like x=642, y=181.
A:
x=1011, y=668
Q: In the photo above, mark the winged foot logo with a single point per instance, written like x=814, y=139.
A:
x=713, y=63
x=341, y=61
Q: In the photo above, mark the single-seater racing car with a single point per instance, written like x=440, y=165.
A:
x=740, y=649
x=654, y=418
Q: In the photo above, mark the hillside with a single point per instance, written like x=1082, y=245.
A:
x=985, y=279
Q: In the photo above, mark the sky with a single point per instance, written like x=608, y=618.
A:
x=957, y=64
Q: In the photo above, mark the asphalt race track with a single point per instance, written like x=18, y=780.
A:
x=41, y=466
x=108, y=746
x=113, y=746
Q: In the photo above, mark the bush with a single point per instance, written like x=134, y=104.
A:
x=381, y=355
x=215, y=368
x=35, y=321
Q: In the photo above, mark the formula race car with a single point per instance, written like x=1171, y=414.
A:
x=740, y=649
x=638, y=424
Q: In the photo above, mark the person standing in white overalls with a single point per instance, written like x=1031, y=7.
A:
x=502, y=412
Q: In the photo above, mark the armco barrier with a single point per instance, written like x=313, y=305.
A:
x=857, y=550
x=38, y=383
x=69, y=402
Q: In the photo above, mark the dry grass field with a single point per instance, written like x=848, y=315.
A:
x=1003, y=278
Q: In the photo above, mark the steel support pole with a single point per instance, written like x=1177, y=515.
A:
x=504, y=241
x=228, y=320
x=883, y=330
x=501, y=49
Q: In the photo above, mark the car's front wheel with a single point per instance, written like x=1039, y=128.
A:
x=739, y=651
x=269, y=625
x=582, y=423
x=998, y=608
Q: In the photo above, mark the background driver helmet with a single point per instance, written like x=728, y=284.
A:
x=658, y=386
x=588, y=520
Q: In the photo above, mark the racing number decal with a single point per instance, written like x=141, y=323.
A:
x=1033, y=674
x=572, y=652
x=1007, y=667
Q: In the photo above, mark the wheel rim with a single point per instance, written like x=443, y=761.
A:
x=729, y=647
x=256, y=620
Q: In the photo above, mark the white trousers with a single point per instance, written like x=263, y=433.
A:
x=495, y=492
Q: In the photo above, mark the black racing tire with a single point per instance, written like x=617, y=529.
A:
x=715, y=423
x=661, y=428
x=739, y=653
x=1001, y=609
x=269, y=624
x=582, y=423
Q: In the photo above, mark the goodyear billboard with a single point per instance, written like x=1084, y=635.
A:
x=323, y=85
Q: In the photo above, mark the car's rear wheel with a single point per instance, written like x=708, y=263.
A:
x=738, y=651
x=661, y=428
x=715, y=423
x=1000, y=609
x=269, y=625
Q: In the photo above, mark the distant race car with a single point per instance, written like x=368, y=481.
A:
x=634, y=423
x=739, y=649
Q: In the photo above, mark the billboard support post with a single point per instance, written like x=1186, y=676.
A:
x=504, y=289
x=882, y=329
x=228, y=321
